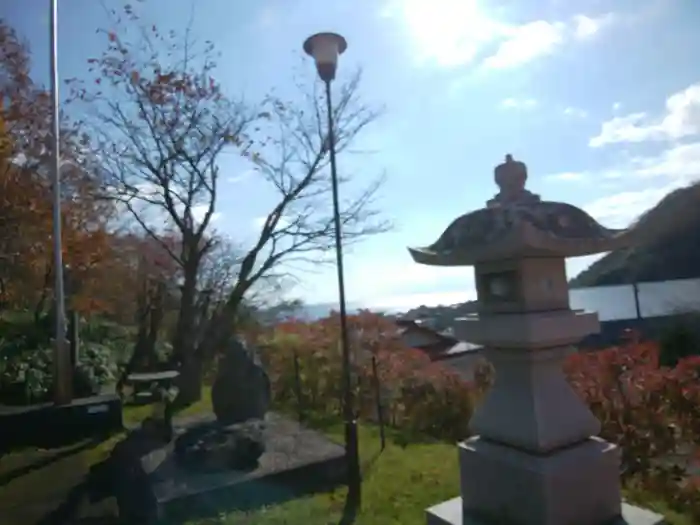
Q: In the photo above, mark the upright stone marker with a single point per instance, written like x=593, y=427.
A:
x=535, y=458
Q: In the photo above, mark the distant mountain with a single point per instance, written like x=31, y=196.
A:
x=671, y=247
x=439, y=314
x=313, y=312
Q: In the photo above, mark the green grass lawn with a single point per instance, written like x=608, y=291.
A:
x=133, y=415
x=400, y=482
x=34, y=483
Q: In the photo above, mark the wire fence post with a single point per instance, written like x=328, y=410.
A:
x=378, y=401
x=637, y=306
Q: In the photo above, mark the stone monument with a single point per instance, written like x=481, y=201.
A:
x=535, y=458
x=241, y=389
x=240, y=399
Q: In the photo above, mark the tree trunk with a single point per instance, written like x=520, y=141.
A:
x=184, y=349
x=156, y=315
x=186, y=319
x=190, y=381
x=221, y=328
x=135, y=359
x=149, y=317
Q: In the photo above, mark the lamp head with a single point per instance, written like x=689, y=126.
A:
x=325, y=48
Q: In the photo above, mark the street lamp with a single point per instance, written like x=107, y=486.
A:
x=325, y=48
x=62, y=380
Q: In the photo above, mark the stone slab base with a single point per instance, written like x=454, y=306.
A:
x=152, y=486
x=450, y=513
x=50, y=426
x=579, y=485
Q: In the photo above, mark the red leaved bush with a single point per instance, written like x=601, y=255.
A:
x=652, y=412
x=417, y=394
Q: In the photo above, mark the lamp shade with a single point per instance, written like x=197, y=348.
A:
x=325, y=48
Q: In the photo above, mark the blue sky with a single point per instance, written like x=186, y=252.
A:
x=601, y=100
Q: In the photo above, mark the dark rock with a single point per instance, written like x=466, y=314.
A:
x=156, y=483
x=131, y=465
x=213, y=447
x=158, y=428
x=241, y=390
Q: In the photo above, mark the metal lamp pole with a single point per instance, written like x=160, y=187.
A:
x=62, y=392
x=325, y=48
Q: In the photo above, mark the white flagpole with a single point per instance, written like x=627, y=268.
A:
x=62, y=374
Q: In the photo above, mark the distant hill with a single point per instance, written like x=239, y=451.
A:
x=440, y=317
x=671, y=247
x=316, y=311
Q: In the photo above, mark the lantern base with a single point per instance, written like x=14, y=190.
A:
x=578, y=485
x=451, y=512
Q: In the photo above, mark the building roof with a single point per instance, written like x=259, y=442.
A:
x=446, y=346
x=457, y=350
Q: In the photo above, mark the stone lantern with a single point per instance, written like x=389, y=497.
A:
x=535, y=458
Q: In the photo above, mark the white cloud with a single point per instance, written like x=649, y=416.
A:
x=447, y=32
x=527, y=42
x=539, y=38
x=656, y=176
x=629, y=128
x=200, y=210
x=680, y=164
x=518, y=103
x=575, y=112
x=682, y=113
x=585, y=26
x=148, y=203
x=388, y=278
x=259, y=221
x=388, y=281
x=681, y=119
x=401, y=287
x=619, y=210
x=452, y=33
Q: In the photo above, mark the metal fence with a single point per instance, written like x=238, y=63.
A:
x=377, y=413
x=639, y=300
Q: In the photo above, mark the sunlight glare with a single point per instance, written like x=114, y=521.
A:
x=449, y=32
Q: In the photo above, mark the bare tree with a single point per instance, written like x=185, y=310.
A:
x=161, y=123
x=299, y=230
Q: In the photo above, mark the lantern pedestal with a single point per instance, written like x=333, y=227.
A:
x=451, y=513
x=577, y=485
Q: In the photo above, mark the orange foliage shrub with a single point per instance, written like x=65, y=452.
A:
x=652, y=412
x=417, y=395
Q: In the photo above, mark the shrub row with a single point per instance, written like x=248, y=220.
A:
x=417, y=396
x=26, y=358
x=651, y=411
